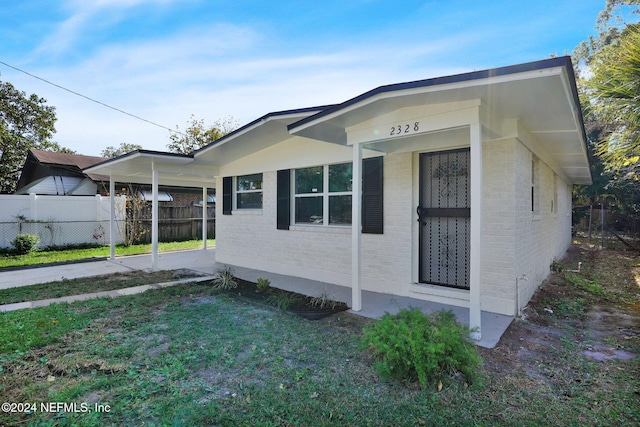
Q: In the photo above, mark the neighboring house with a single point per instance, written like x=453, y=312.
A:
x=460, y=186
x=59, y=174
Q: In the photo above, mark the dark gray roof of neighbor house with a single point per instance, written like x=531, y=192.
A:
x=63, y=159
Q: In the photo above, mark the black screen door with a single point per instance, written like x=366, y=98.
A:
x=444, y=214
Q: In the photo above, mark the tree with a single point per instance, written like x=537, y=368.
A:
x=112, y=152
x=609, y=85
x=615, y=96
x=26, y=122
x=197, y=134
x=609, y=24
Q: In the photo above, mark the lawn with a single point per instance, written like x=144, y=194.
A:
x=7, y=259
x=67, y=287
x=189, y=356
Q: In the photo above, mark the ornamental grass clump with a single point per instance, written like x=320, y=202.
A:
x=225, y=279
x=413, y=346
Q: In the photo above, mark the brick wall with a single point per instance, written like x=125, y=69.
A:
x=516, y=243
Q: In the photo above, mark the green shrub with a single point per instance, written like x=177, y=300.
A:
x=25, y=243
x=263, y=285
x=411, y=345
x=225, y=279
x=282, y=299
x=323, y=301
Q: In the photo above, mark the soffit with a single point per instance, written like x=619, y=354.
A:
x=542, y=100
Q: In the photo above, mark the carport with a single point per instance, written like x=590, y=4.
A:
x=155, y=168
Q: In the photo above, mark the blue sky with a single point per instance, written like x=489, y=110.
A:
x=165, y=60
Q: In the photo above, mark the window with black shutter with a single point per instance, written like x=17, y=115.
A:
x=331, y=182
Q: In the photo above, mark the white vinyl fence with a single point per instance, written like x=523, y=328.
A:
x=60, y=220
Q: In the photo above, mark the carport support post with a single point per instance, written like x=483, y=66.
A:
x=476, y=229
x=112, y=218
x=356, y=231
x=204, y=217
x=154, y=218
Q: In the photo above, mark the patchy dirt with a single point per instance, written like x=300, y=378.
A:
x=578, y=326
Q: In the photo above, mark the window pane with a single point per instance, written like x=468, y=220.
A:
x=249, y=182
x=309, y=180
x=340, y=210
x=340, y=177
x=249, y=200
x=309, y=210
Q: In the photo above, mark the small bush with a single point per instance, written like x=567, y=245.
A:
x=224, y=279
x=411, y=345
x=25, y=243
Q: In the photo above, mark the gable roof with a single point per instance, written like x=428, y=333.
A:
x=201, y=166
x=541, y=96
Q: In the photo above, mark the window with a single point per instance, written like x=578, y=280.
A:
x=554, y=201
x=323, y=194
x=249, y=191
x=338, y=198
x=535, y=186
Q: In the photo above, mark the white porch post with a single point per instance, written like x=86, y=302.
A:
x=154, y=218
x=204, y=217
x=476, y=229
x=112, y=218
x=356, y=229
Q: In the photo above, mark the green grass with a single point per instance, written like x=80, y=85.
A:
x=188, y=356
x=83, y=286
x=52, y=256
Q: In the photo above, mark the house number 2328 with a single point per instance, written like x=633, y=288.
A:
x=404, y=129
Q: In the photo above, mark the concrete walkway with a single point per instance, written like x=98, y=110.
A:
x=112, y=294
x=203, y=261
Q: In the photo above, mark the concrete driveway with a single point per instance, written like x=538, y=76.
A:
x=199, y=260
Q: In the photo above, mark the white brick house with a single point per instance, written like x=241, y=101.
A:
x=460, y=186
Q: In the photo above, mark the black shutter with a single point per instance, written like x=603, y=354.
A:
x=372, y=183
x=227, y=195
x=283, y=208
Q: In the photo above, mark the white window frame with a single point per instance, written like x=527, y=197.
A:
x=326, y=194
x=535, y=187
x=236, y=192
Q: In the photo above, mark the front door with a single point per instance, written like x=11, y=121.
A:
x=444, y=214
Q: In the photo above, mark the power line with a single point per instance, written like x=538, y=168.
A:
x=94, y=100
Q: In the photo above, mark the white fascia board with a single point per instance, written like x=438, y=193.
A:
x=526, y=75
x=260, y=122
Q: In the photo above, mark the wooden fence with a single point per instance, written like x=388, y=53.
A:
x=177, y=223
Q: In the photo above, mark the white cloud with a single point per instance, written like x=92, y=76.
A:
x=217, y=71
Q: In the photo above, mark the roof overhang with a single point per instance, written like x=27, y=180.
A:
x=173, y=169
x=541, y=97
x=201, y=167
x=262, y=133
